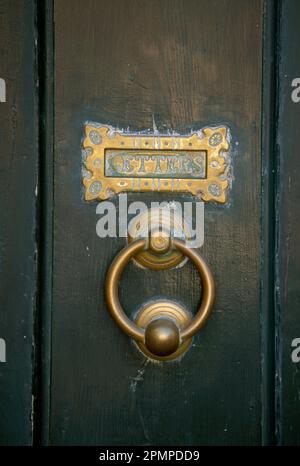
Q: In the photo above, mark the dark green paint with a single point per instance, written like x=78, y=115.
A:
x=18, y=200
x=145, y=60
x=288, y=229
x=157, y=59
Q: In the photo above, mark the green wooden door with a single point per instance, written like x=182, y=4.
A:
x=182, y=65
x=70, y=375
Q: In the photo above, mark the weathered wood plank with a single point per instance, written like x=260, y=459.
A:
x=184, y=64
x=18, y=184
x=288, y=228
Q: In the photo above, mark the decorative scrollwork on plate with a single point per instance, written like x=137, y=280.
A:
x=116, y=161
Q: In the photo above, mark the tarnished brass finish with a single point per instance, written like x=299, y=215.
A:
x=115, y=162
x=160, y=254
x=111, y=290
x=162, y=337
x=159, y=242
x=154, y=335
x=154, y=315
x=208, y=290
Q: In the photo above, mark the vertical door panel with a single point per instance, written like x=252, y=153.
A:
x=288, y=249
x=18, y=196
x=183, y=65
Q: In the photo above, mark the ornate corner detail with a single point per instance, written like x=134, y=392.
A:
x=115, y=162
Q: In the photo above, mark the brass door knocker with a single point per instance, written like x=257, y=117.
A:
x=163, y=330
x=116, y=161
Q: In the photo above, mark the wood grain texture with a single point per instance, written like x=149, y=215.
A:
x=268, y=214
x=46, y=135
x=288, y=230
x=18, y=181
x=184, y=64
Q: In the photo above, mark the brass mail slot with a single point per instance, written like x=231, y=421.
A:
x=116, y=161
x=155, y=164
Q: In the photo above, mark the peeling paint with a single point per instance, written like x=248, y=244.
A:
x=139, y=376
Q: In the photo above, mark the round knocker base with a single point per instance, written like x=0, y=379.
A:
x=168, y=224
x=164, y=310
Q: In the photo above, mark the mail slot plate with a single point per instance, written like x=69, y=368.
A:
x=115, y=161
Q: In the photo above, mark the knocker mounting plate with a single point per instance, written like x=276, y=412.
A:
x=116, y=161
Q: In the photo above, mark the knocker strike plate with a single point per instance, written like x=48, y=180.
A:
x=115, y=161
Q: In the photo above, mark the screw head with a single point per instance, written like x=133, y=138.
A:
x=160, y=242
